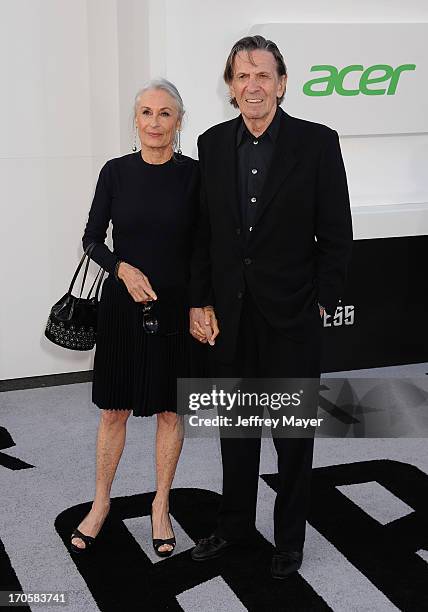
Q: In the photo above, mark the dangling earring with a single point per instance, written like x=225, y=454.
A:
x=134, y=148
x=179, y=142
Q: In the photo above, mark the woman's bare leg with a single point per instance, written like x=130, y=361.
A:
x=110, y=443
x=169, y=442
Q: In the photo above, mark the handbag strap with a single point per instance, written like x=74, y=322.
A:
x=87, y=253
x=98, y=285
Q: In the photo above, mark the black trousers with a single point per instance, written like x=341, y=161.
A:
x=265, y=352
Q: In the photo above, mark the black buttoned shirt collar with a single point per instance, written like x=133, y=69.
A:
x=254, y=154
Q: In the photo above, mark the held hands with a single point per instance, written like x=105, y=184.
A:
x=136, y=282
x=203, y=324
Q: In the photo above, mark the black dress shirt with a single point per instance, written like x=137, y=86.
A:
x=253, y=158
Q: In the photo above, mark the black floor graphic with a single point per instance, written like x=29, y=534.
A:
x=343, y=413
x=8, y=579
x=385, y=554
x=120, y=576
x=12, y=463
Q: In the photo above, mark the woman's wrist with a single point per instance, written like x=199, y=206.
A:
x=116, y=270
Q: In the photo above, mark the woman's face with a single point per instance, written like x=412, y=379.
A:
x=157, y=119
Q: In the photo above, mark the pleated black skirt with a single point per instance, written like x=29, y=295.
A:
x=137, y=371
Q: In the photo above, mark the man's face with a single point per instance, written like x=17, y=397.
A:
x=256, y=84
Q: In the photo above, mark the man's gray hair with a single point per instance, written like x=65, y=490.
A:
x=165, y=85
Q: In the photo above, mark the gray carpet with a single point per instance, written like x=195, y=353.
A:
x=54, y=430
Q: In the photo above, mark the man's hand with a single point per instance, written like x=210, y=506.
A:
x=203, y=324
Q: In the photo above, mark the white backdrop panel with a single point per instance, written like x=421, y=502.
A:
x=357, y=105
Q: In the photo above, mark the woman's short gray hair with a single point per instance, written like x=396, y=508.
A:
x=165, y=85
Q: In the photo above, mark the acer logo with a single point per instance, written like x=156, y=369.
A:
x=333, y=80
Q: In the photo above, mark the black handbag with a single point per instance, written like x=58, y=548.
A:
x=72, y=321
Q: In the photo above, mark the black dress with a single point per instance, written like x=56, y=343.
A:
x=153, y=209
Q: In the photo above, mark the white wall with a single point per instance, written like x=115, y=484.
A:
x=72, y=69
x=58, y=119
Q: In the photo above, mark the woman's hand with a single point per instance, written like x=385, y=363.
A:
x=136, y=282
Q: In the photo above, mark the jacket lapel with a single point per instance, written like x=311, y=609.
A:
x=230, y=172
x=283, y=161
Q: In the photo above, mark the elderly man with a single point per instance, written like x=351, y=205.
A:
x=271, y=254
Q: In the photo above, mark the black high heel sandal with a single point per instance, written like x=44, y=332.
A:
x=89, y=540
x=157, y=542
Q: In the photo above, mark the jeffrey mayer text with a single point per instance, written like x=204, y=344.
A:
x=253, y=421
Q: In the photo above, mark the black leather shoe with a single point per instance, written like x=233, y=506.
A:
x=285, y=563
x=209, y=548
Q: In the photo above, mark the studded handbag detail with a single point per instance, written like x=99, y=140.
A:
x=72, y=321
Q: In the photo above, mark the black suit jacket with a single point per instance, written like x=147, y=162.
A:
x=300, y=245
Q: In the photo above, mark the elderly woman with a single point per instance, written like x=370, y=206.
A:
x=143, y=340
